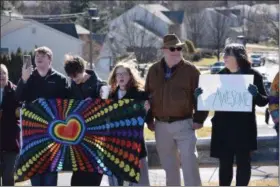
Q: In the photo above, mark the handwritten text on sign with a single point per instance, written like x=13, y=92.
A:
x=225, y=93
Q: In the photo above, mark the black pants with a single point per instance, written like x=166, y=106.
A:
x=7, y=166
x=243, y=173
x=80, y=178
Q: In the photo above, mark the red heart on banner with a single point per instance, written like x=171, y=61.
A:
x=69, y=131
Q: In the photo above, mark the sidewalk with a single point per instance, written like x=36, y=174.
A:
x=209, y=176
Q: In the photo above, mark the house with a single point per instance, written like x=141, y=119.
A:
x=96, y=39
x=83, y=34
x=139, y=30
x=235, y=21
x=27, y=33
x=67, y=28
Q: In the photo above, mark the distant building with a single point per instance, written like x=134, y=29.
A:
x=140, y=29
x=27, y=34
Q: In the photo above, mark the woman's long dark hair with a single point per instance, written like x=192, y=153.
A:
x=239, y=52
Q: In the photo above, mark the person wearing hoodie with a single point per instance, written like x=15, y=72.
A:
x=44, y=82
x=84, y=84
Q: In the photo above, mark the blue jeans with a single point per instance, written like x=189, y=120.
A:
x=45, y=179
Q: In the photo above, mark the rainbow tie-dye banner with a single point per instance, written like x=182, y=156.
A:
x=81, y=135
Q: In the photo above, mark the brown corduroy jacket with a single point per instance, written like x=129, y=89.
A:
x=174, y=97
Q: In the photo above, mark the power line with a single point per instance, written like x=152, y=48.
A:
x=50, y=16
x=55, y=16
x=38, y=18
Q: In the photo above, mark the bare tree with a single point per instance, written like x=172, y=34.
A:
x=136, y=35
x=195, y=24
x=272, y=22
x=255, y=24
x=219, y=31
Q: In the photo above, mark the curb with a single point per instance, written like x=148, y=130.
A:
x=266, y=155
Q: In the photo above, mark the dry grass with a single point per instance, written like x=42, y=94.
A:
x=149, y=135
x=264, y=182
x=204, y=132
x=201, y=133
x=206, y=61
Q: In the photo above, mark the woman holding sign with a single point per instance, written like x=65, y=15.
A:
x=234, y=134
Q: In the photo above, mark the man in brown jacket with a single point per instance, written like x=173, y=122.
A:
x=171, y=84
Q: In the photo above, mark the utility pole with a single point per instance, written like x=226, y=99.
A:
x=93, y=16
x=90, y=44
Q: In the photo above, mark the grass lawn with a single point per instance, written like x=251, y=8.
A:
x=206, y=61
x=201, y=133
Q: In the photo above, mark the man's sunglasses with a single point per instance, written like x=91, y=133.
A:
x=172, y=49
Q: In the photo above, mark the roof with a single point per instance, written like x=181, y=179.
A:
x=8, y=26
x=99, y=38
x=157, y=10
x=238, y=29
x=4, y=50
x=13, y=13
x=67, y=28
x=147, y=30
x=175, y=16
x=151, y=29
x=81, y=30
x=18, y=23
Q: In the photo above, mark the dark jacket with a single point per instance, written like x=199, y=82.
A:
x=91, y=88
x=53, y=85
x=133, y=93
x=174, y=97
x=9, y=129
x=237, y=131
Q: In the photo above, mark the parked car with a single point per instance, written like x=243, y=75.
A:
x=257, y=60
x=216, y=67
x=273, y=57
x=266, y=83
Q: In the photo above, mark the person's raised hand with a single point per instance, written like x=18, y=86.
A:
x=26, y=72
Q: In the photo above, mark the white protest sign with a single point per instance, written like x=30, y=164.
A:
x=225, y=93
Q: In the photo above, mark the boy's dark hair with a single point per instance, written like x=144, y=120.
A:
x=74, y=65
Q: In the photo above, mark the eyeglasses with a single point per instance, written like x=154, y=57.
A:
x=122, y=74
x=172, y=49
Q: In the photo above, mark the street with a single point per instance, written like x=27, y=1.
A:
x=157, y=176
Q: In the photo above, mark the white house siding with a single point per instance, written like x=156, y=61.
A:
x=117, y=30
x=58, y=42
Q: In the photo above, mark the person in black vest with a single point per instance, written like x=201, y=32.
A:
x=9, y=129
x=84, y=84
x=234, y=134
x=43, y=82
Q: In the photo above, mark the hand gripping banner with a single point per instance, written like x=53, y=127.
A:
x=81, y=135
